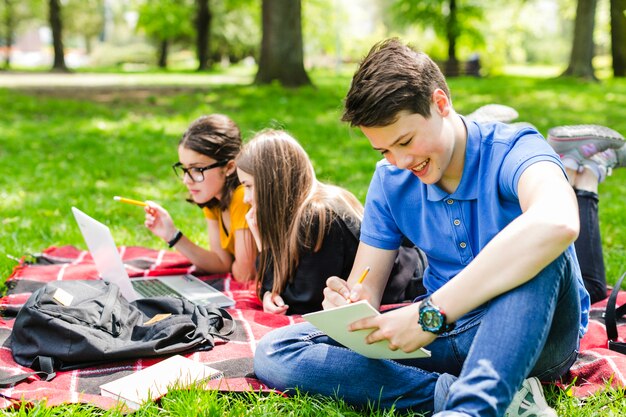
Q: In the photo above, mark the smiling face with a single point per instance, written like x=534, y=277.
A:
x=213, y=184
x=428, y=147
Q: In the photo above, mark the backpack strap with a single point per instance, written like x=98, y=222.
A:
x=224, y=316
x=43, y=366
x=611, y=315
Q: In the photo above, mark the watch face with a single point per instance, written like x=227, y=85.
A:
x=431, y=319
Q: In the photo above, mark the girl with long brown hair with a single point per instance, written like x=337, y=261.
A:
x=306, y=231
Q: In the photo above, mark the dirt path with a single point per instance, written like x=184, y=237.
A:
x=53, y=80
x=109, y=87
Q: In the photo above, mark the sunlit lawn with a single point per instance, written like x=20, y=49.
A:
x=79, y=147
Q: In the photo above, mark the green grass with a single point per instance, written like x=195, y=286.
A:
x=65, y=147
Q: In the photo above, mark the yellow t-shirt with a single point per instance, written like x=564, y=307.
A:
x=237, y=210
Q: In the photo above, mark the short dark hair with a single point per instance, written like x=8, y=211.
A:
x=392, y=77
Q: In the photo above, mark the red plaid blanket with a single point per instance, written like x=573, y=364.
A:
x=234, y=358
x=595, y=366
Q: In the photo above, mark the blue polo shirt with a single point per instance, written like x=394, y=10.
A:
x=453, y=228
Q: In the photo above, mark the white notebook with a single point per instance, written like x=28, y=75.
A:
x=154, y=381
x=334, y=322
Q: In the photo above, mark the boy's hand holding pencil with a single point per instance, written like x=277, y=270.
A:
x=338, y=292
x=360, y=281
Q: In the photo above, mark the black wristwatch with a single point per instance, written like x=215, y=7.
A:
x=432, y=318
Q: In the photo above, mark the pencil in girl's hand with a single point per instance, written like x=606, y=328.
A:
x=129, y=201
x=363, y=275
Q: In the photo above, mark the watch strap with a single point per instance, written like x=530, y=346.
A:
x=446, y=327
x=175, y=239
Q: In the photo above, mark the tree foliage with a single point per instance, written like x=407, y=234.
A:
x=83, y=18
x=166, y=21
x=236, y=29
x=458, y=21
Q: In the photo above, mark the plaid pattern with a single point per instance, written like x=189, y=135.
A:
x=596, y=363
x=234, y=358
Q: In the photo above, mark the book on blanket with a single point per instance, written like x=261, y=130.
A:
x=334, y=322
x=154, y=381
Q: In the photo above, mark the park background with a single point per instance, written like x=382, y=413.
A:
x=95, y=94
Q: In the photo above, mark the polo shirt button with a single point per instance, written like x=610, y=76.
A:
x=463, y=245
x=457, y=222
x=450, y=201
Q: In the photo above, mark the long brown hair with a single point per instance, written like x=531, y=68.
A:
x=217, y=137
x=290, y=202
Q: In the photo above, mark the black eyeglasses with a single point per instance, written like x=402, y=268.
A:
x=195, y=173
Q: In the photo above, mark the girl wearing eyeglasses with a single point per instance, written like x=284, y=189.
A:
x=306, y=230
x=206, y=165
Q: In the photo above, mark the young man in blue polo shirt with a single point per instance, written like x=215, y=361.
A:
x=492, y=209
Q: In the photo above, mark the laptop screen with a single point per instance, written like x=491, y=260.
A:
x=104, y=252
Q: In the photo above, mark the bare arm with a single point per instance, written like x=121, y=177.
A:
x=548, y=225
x=214, y=261
x=380, y=261
x=243, y=266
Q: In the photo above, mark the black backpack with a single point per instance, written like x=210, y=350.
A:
x=611, y=315
x=74, y=324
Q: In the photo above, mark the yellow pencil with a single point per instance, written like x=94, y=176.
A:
x=129, y=201
x=363, y=275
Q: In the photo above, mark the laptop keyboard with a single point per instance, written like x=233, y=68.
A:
x=152, y=288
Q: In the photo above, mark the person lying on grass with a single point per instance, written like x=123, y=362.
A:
x=206, y=166
x=491, y=207
x=305, y=230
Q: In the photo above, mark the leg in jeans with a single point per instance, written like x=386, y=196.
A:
x=530, y=331
x=589, y=246
x=301, y=357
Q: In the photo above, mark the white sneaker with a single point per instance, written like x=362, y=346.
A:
x=529, y=401
x=493, y=113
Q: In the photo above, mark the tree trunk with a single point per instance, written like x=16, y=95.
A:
x=56, y=24
x=580, y=64
x=282, y=56
x=88, y=44
x=9, y=27
x=203, y=32
x=163, y=53
x=452, y=30
x=618, y=37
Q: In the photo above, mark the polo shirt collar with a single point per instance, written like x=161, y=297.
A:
x=468, y=187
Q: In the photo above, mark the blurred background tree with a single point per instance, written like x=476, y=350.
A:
x=618, y=37
x=282, y=57
x=580, y=63
x=166, y=22
x=581, y=38
x=453, y=20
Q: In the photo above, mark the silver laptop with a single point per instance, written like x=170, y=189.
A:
x=111, y=269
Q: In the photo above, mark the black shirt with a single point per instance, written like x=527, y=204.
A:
x=304, y=292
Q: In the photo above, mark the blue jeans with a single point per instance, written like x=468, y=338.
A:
x=531, y=330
